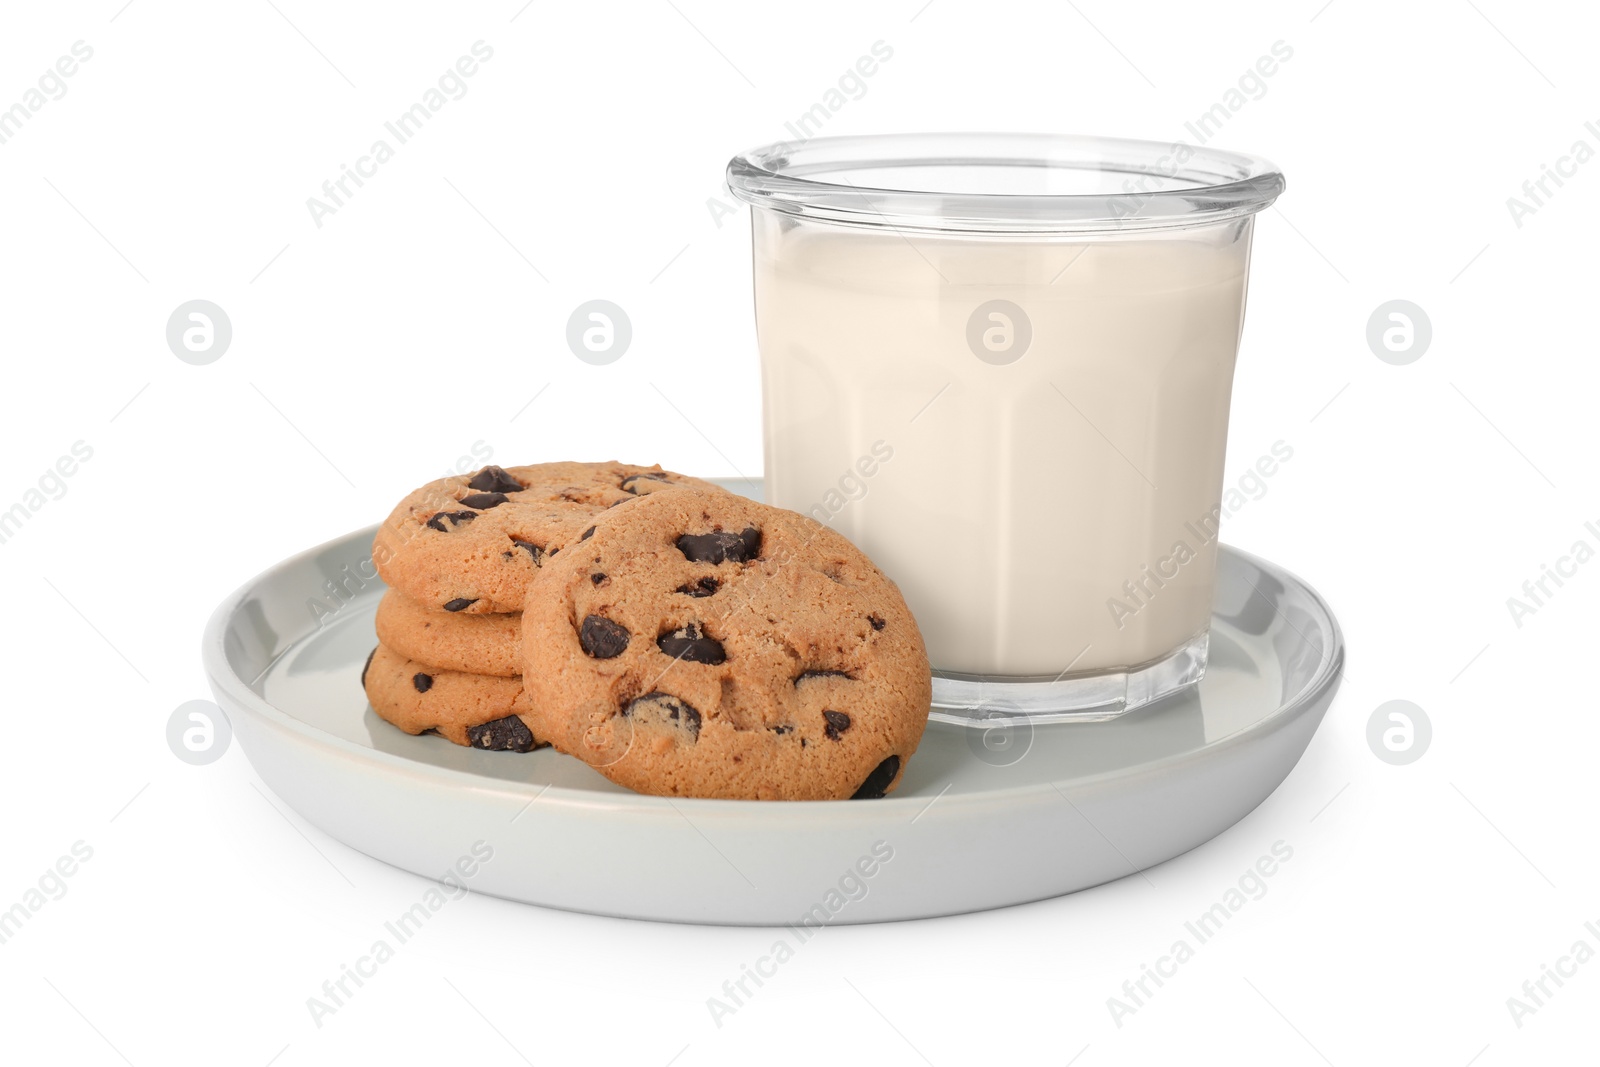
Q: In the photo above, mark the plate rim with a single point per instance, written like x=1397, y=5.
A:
x=225, y=681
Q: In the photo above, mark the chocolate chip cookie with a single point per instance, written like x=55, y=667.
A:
x=453, y=640
x=701, y=644
x=476, y=710
x=471, y=543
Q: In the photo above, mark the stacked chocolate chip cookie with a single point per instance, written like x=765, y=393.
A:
x=458, y=556
x=690, y=643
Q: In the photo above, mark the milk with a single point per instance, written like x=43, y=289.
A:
x=1052, y=514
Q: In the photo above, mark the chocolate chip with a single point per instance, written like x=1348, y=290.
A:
x=460, y=603
x=367, y=666
x=484, y=501
x=691, y=644
x=454, y=518
x=534, y=551
x=781, y=730
x=586, y=535
x=602, y=638
x=494, y=479
x=837, y=723
x=703, y=587
x=752, y=543
x=721, y=546
x=509, y=734
x=664, y=709
x=627, y=483
x=708, y=548
x=877, y=623
x=423, y=682
x=804, y=675
x=597, y=578
x=879, y=781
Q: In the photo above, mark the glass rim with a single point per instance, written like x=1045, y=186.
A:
x=1164, y=185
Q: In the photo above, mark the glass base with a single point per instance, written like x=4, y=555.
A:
x=980, y=701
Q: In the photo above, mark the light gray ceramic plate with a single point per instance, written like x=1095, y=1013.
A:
x=983, y=819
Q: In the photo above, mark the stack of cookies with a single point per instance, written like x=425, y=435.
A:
x=458, y=555
x=680, y=639
x=453, y=674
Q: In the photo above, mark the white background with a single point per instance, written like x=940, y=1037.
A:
x=373, y=352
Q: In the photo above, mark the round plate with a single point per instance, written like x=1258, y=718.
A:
x=982, y=819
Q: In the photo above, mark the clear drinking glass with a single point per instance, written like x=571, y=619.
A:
x=1001, y=365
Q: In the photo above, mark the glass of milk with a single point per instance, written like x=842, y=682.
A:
x=1001, y=365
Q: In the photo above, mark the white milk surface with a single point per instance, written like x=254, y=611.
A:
x=1054, y=511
